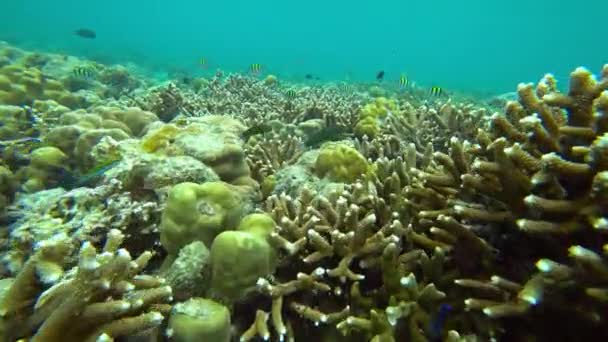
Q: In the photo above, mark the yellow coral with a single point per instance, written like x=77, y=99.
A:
x=340, y=163
x=159, y=138
x=371, y=116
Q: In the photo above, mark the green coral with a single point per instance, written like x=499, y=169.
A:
x=198, y=212
x=199, y=319
x=268, y=185
x=46, y=167
x=261, y=225
x=367, y=126
x=340, y=163
x=240, y=258
x=372, y=115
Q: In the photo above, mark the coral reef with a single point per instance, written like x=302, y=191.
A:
x=293, y=211
x=372, y=116
x=199, y=319
x=106, y=292
x=340, y=163
x=199, y=212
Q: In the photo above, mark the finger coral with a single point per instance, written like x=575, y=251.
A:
x=535, y=179
x=106, y=292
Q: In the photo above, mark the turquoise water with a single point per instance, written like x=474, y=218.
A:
x=480, y=46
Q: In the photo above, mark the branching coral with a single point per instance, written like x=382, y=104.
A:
x=268, y=154
x=465, y=226
x=106, y=292
x=533, y=186
x=343, y=271
x=168, y=101
x=253, y=102
x=435, y=123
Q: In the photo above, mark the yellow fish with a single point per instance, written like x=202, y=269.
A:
x=203, y=62
x=291, y=93
x=84, y=71
x=346, y=88
x=255, y=68
x=403, y=81
x=436, y=91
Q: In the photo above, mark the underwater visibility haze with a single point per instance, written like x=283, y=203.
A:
x=288, y=171
x=470, y=45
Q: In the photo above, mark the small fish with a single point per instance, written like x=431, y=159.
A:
x=291, y=93
x=84, y=72
x=380, y=76
x=436, y=324
x=329, y=133
x=203, y=63
x=255, y=68
x=436, y=91
x=20, y=141
x=256, y=130
x=308, y=76
x=403, y=81
x=69, y=180
x=86, y=33
x=346, y=88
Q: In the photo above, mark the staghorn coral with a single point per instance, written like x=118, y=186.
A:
x=344, y=272
x=435, y=123
x=253, y=102
x=532, y=186
x=268, y=154
x=168, y=101
x=106, y=292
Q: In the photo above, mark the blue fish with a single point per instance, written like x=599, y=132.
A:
x=69, y=180
x=436, y=324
